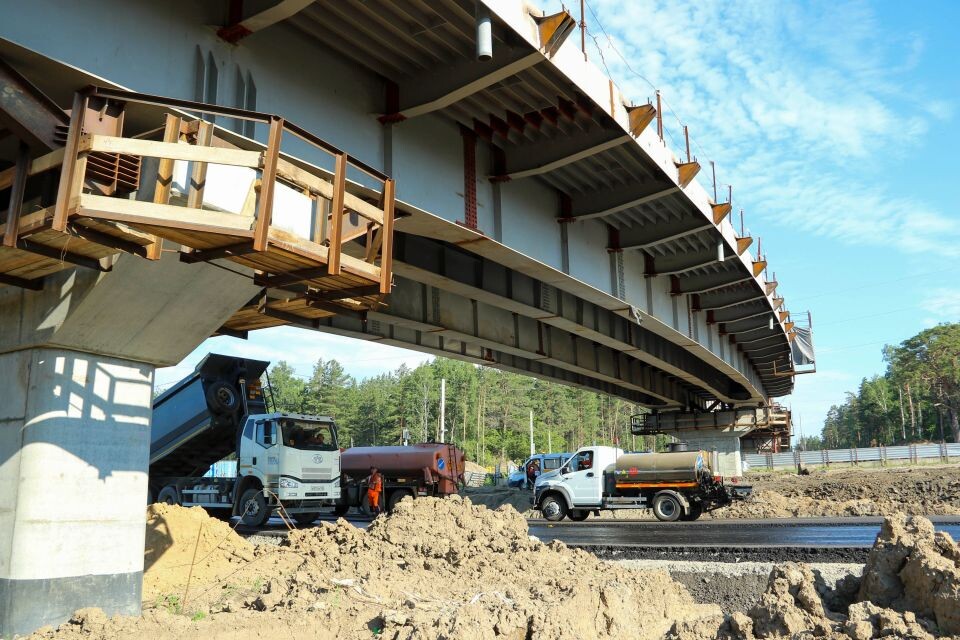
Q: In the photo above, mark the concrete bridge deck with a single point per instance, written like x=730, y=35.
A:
x=542, y=226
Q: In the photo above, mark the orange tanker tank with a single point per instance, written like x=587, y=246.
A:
x=436, y=466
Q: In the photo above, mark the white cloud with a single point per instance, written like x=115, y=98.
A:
x=943, y=304
x=795, y=104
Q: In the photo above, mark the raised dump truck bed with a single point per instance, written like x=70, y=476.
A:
x=196, y=421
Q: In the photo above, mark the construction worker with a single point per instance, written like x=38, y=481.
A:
x=374, y=487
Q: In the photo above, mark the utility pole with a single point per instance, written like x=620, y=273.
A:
x=532, y=450
x=549, y=440
x=443, y=408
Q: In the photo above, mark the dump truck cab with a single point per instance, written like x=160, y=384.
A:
x=676, y=486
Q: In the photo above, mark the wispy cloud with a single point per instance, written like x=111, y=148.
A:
x=943, y=304
x=796, y=104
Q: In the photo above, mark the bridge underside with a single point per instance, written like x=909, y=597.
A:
x=539, y=225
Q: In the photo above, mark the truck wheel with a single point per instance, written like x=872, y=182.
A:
x=341, y=510
x=696, y=510
x=553, y=508
x=222, y=397
x=395, y=497
x=305, y=519
x=253, y=508
x=666, y=507
x=169, y=495
x=579, y=515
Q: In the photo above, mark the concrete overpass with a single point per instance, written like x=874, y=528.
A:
x=365, y=172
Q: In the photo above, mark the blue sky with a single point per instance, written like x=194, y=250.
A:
x=837, y=125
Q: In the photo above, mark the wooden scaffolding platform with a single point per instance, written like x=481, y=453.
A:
x=130, y=194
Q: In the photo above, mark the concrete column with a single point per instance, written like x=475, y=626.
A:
x=74, y=448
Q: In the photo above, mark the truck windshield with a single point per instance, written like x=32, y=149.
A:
x=312, y=436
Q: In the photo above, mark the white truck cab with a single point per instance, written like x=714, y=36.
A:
x=579, y=482
x=295, y=458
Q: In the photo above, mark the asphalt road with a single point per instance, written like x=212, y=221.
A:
x=823, y=533
x=768, y=535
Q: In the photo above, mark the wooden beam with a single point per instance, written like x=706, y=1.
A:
x=34, y=285
x=161, y=190
x=720, y=211
x=267, y=183
x=171, y=150
x=686, y=172
x=336, y=214
x=161, y=215
x=15, y=208
x=198, y=172
x=229, y=251
x=37, y=165
x=743, y=244
x=74, y=164
x=639, y=117
x=106, y=240
x=61, y=255
x=386, y=250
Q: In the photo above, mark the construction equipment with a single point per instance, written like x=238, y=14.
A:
x=677, y=486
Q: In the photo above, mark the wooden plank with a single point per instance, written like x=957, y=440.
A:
x=336, y=213
x=309, y=249
x=62, y=255
x=162, y=215
x=198, y=172
x=73, y=164
x=161, y=192
x=15, y=208
x=290, y=172
x=386, y=251
x=33, y=285
x=37, y=165
x=229, y=251
x=268, y=179
x=171, y=150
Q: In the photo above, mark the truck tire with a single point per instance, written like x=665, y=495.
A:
x=696, y=510
x=306, y=519
x=222, y=398
x=169, y=495
x=253, y=508
x=578, y=515
x=553, y=508
x=341, y=510
x=666, y=507
x=395, y=497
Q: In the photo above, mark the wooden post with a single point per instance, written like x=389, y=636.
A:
x=198, y=172
x=161, y=192
x=336, y=215
x=73, y=165
x=386, y=250
x=267, y=181
x=16, y=196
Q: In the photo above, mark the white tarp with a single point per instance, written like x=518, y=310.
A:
x=802, y=347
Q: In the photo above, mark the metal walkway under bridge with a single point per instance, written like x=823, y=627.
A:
x=448, y=176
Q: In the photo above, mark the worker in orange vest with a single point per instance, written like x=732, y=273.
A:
x=374, y=487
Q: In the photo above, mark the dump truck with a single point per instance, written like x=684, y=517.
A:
x=427, y=469
x=676, y=486
x=284, y=460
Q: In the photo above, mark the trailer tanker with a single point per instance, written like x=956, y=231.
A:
x=676, y=486
x=428, y=469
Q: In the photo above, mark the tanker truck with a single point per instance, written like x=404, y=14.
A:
x=429, y=469
x=676, y=486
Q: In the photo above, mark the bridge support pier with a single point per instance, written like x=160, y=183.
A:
x=74, y=448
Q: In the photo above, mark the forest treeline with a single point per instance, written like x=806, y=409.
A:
x=917, y=399
x=487, y=410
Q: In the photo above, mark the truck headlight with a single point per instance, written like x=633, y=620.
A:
x=287, y=483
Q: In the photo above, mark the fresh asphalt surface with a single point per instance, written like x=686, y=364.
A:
x=775, y=533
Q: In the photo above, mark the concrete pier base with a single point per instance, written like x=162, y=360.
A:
x=74, y=447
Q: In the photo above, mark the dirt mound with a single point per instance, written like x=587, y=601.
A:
x=910, y=589
x=178, y=538
x=432, y=569
x=851, y=492
x=496, y=497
